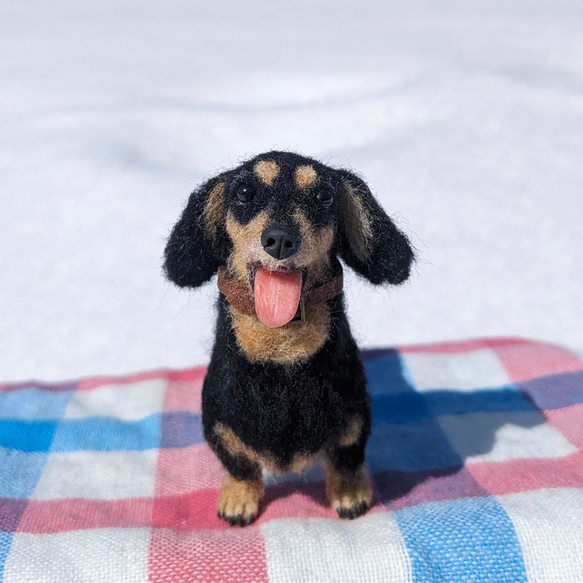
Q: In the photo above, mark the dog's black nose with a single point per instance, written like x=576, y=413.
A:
x=281, y=242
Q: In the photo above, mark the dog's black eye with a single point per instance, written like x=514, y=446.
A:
x=245, y=193
x=325, y=198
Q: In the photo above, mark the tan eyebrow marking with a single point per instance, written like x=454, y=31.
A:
x=266, y=171
x=306, y=176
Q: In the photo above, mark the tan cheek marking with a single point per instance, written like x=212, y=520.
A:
x=357, y=222
x=352, y=433
x=240, y=498
x=315, y=250
x=288, y=344
x=266, y=171
x=295, y=341
x=246, y=243
x=305, y=176
x=345, y=491
x=213, y=212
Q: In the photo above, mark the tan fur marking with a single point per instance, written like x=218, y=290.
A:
x=305, y=176
x=240, y=498
x=347, y=490
x=288, y=344
x=236, y=447
x=213, y=213
x=315, y=250
x=352, y=433
x=302, y=462
x=294, y=341
x=357, y=222
x=266, y=171
x=247, y=246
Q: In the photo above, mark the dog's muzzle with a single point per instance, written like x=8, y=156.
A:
x=281, y=242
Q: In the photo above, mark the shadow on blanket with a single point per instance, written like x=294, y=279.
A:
x=420, y=441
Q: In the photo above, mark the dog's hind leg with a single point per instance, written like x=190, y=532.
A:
x=347, y=482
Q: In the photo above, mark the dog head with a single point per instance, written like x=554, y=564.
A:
x=286, y=216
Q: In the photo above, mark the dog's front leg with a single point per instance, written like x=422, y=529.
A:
x=347, y=482
x=242, y=488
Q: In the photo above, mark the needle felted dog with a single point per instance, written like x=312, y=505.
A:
x=285, y=384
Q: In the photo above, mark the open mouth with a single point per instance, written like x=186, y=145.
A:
x=277, y=294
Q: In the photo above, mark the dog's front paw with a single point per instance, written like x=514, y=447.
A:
x=351, y=507
x=239, y=500
x=349, y=494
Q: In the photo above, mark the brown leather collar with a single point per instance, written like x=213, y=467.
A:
x=237, y=292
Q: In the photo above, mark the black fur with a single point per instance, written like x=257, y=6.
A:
x=192, y=257
x=281, y=409
x=307, y=406
x=390, y=256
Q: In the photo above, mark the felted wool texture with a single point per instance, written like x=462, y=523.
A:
x=273, y=396
x=285, y=409
x=290, y=344
x=192, y=255
x=191, y=258
x=375, y=248
x=305, y=176
x=287, y=188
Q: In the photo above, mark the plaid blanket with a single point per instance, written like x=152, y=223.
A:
x=476, y=457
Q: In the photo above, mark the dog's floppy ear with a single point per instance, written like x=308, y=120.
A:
x=370, y=242
x=196, y=245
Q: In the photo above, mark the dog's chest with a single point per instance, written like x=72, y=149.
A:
x=280, y=417
x=286, y=345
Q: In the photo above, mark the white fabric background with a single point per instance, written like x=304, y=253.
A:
x=466, y=118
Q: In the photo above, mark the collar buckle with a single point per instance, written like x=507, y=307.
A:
x=300, y=316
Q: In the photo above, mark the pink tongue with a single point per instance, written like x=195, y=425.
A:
x=277, y=296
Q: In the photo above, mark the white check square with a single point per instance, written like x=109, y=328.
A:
x=495, y=437
x=91, y=556
x=549, y=526
x=368, y=549
x=464, y=372
x=123, y=401
x=105, y=475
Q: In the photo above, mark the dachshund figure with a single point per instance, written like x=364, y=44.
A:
x=285, y=384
